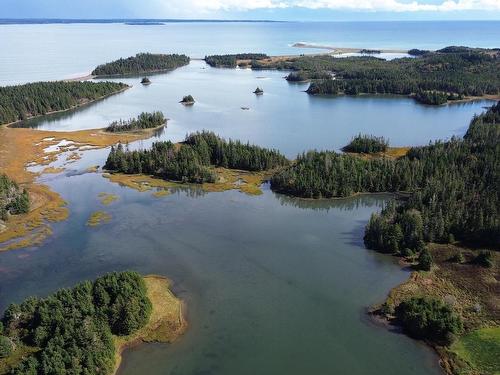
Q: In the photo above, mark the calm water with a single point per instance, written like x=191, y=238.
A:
x=273, y=285
x=285, y=117
x=41, y=52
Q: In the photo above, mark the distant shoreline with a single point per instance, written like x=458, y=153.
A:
x=340, y=50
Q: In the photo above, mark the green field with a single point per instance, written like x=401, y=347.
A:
x=481, y=349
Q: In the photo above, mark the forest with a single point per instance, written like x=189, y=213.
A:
x=451, y=188
x=13, y=199
x=366, y=144
x=71, y=331
x=141, y=63
x=431, y=77
x=143, y=121
x=193, y=159
x=34, y=99
x=231, y=61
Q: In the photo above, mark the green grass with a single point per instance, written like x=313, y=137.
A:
x=481, y=349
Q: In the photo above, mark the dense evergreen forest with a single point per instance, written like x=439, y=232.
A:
x=452, y=186
x=432, y=77
x=430, y=319
x=366, y=144
x=231, y=61
x=34, y=99
x=13, y=199
x=192, y=160
x=141, y=63
x=72, y=329
x=143, y=121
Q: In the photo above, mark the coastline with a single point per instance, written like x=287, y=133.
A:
x=21, y=147
x=9, y=125
x=166, y=323
x=342, y=50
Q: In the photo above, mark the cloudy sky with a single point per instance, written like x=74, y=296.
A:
x=321, y=10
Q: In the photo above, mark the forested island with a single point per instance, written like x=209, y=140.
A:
x=231, y=61
x=22, y=102
x=194, y=159
x=144, y=121
x=452, y=73
x=13, y=199
x=78, y=330
x=141, y=63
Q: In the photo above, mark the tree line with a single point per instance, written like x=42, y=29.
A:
x=231, y=61
x=141, y=63
x=34, y=99
x=194, y=159
x=72, y=329
x=144, y=121
x=366, y=144
x=452, y=186
x=432, y=77
x=13, y=199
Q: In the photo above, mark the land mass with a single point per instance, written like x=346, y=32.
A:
x=431, y=77
x=115, y=312
x=141, y=63
x=23, y=102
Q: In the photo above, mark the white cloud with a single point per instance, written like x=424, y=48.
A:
x=210, y=6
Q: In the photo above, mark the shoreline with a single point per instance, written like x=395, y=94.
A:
x=9, y=125
x=445, y=280
x=341, y=50
x=167, y=316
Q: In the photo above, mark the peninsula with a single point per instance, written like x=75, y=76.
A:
x=115, y=311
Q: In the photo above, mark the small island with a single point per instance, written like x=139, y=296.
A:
x=89, y=324
x=145, y=81
x=195, y=159
x=13, y=199
x=141, y=63
x=258, y=91
x=187, y=100
x=142, y=122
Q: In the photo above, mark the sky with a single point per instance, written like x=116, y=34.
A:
x=296, y=10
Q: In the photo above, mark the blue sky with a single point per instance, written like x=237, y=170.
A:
x=315, y=10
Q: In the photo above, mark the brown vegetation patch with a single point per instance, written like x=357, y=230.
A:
x=472, y=291
x=166, y=322
x=20, y=147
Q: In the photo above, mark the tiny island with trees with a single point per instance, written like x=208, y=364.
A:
x=187, y=100
x=141, y=63
x=142, y=122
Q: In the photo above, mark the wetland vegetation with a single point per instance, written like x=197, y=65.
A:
x=194, y=159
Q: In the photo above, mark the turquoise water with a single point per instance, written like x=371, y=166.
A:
x=272, y=284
